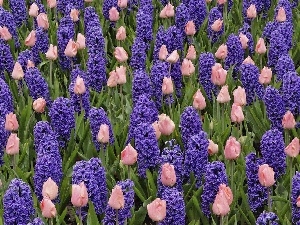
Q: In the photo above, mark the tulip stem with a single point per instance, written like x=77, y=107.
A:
x=269, y=199
x=128, y=169
x=14, y=162
x=51, y=62
x=221, y=220
x=286, y=137
x=117, y=217
x=121, y=93
x=291, y=175
x=80, y=217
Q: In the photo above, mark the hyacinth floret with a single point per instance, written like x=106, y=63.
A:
x=41, y=45
x=182, y=16
x=6, y=99
x=3, y=138
x=267, y=218
x=290, y=92
x=138, y=54
x=7, y=20
x=23, y=58
x=294, y=197
x=277, y=48
x=144, y=23
x=141, y=85
x=177, y=77
x=6, y=58
x=214, y=14
x=19, y=11
x=198, y=12
x=284, y=65
x=37, y=221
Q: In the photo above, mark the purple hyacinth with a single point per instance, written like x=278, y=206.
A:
x=144, y=22
x=177, y=77
x=41, y=129
x=123, y=213
x=196, y=156
x=190, y=125
x=7, y=20
x=206, y=61
x=174, y=39
x=144, y=111
x=268, y=29
x=19, y=11
x=62, y=5
x=6, y=99
x=277, y=47
x=171, y=154
x=290, y=92
x=160, y=39
x=159, y=70
x=229, y=6
x=275, y=107
x=138, y=54
x=17, y=203
x=267, y=218
x=23, y=58
x=37, y=85
x=92, y=173
x=246, y=30
x=175, y=207
x=249, y=79
x=37, y=221
x=182, y=16
x=214, y=14
x=62, y=117
x=48, y=164
x=259, y=5
x=141, y=85
x=41, y=45
x=65, y=32
x=147, y=147
x=3, y=138
x=215, y=175
x=98, y=117
x=198, y=12
x=287, y=8
x=272, y=149
x=96, y=71
x=286, y=29
x=257, y=194
x=284, y=64
x=80, y=101
x=295, y=194
x=235, y=55
x=6, y=58
x=107, y=5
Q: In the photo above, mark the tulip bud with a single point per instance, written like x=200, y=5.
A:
x=17, y=72
x=129, y=155
x=157, y=210
x=103, y=134
x=48, y=208
x=79, y=87
x=232, y=149
x=168, y=175
x=165, y=124
x=13, y=144
x=50, y=189
x=39, y=105
x=79, y=195
x=11, y=122
x=266, y=175
x=173, y=57
x=116, y=200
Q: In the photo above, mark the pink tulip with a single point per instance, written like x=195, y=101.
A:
x=292, y=150
x=13, y=144
x=220, y=206
x=212, y=148
x=39, y=105
x=221, y=53
x=5, y=34
x=51, y=3
x=121, y=74
x=156, y=129
x=157, y=210
x=114, y=15
x=11, y=122
x=121, y=34
x=103, y=134
x=223, y=95
x=260, y=47
x=221, y=2
x=288, y=121
x=116, y=200
x=173, y=57
x=163, y=52
x=122, y=3
x=217, y=25
x=167, y=86
x=30, y=64
x=165, y=124
x=129, y=155
x=239, y=96
x=33, y=10
x=79, y=196
x=199, y=100
x=251, y=11
x=113, y=79
x=120, y=54
x=265, y=76
x=237, y=115
x=71, y=49
x=266, y=175
x=167, y=11
x=48, y=208
x=17, y=73
x=281, y=16
x=244, y=40
x=218, y=74
x=168, y=175
x=190, y=28
x=191, y=53
x=80, y=41
x=42, y=21
x=232, y=149
x=227, y=193
x=298, y=201
x=79, y=86
x=248, y=60
x=50, y=189
x=74, y=14
x=187, y=67
x=31, y=39
x=51, y=54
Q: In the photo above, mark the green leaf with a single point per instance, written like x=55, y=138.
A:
x=92, y=216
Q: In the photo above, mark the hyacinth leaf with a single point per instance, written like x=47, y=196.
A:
x=152, y=190
x=65, y=194
x=62, y=216
x=140, y=214
x=245, y=206
x=92, y=218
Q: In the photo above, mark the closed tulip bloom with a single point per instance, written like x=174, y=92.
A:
x=218, y=74
x=223, y=95
x=156, y=129
x=51, y=54
x=288, y=121
x=199, y=100
x=39, y=105
x=33, y=10
x=116, y=200
x=292, y=150
x=265, y=76
x=244, y=40
x=122, y=3
x=260, y=47
x=212, y=147
x=165, y=124
x=248, y=60
x=79, y=87
x=298, y=201
x=42, y=21
x=114, y=14
x=80, y=41
x=13, y=144
x=11, y=122
x=71, y=49
x=79, y=196
x=121, y=74
x=17, y=73
x=239, y=96
x=266, y=175
x=167, y=11
x=51, y=3
x=190, y=28
x=173, y=57
x=113, y=79
x=30, y=39
x=50, y=189
x=167, y=86
x=217, y=25
x=157, y=210
x=5, y=34
x=187, y=67
x=30, y=64
x=221, y=53
x=48, y=208
x=120, y=54
x=121, y=34
x=191, y=53
x=251, y=11
x=74, y=14
x=163, y=52
x=227, y=193
x=237, y=114
x=103, y=134
x=220, y=206
x=221, y=2
x=281, y=16
x=129, y=155
x=232, y=149
x=168, y=175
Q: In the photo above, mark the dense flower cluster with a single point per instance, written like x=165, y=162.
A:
x=41, y=45
x=23, y=58
x=198, y=11
x=41, y=129
x=284, y=64
x=144, y=22
x=177, y=77
x=141, y=85
x=182, y=16
x=295, y=194
x=214, y=14
x=277, y=48
x=6, y=58
x=19, y=11
x=267, y=218
x=7, y=20
x=37, y=221
x=138, y=54
x=290, y=92
x=6, y=99
x=3, y=138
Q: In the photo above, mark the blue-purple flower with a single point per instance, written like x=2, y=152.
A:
x=19, y=11
x=284, y=64
x=267, y=218
x=213, y=16
x=138, y=54
x=295, y=194
x=290, y=92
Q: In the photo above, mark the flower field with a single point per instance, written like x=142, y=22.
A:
x=149, y=112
